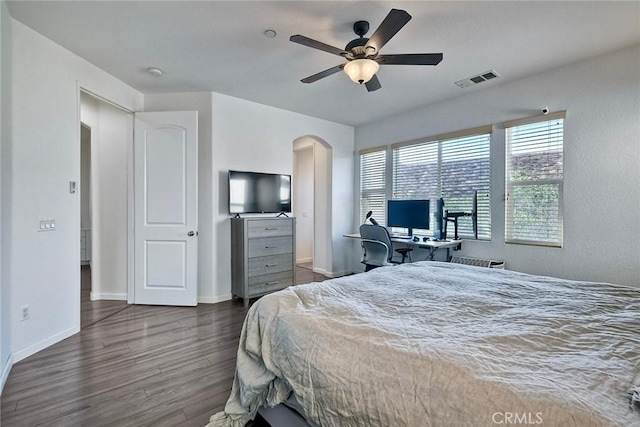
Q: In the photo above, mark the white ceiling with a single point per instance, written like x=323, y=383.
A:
x=219, y=46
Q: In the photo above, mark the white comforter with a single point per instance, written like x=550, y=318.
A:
x=438, y=344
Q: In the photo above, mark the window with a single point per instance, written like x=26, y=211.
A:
x=534, y=175
x=451, y=166
x=373, y=184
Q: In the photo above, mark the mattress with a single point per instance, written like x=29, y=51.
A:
x=441, y=344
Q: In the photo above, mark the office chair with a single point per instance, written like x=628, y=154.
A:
x=377, y=247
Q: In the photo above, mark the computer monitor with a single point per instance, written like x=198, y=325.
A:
x=408, y=214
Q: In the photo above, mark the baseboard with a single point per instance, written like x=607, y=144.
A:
x=5, y=372
x=214, y=299
x=123, y=297
x=320, y=271
x=94, y=296
x=303, y=260
x=34, y=348
x=333, y=275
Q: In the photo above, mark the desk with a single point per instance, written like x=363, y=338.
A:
x=431, y=245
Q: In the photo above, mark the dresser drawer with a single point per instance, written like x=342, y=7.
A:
x=270, y=264
x=270, y=282
x=270, y=246
x=262, y=255
x=269, y=228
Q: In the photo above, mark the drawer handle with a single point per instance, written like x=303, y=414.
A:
x=270, y=265
x=270, y=247
x=271, y=283
x=270, y=228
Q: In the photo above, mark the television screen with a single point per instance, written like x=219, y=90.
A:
x=253, y=192
x=408, y=214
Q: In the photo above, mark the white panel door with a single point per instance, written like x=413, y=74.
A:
x=165, y=208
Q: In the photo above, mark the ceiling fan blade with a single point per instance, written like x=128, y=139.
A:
x=323, y=74
x=395, y=20
x=306, y=41
x=373, y=84
x=410, y=59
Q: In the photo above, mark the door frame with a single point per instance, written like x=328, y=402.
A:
x=89, y=90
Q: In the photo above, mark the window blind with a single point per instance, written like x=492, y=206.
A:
x=534, y=182
x=415, y=176
x=466, y=167
x=449, y=168
x=415, y=171
x=373, y=184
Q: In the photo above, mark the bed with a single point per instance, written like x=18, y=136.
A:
x=441, y=344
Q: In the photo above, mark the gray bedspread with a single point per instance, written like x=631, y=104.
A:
x=439, y=344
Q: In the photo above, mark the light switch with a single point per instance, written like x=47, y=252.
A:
x=46, y=225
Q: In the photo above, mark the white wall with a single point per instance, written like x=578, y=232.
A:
x=303, y=183
x=111, y=145
x=85, y=177
x=601, y=169
x=5, y=126
x=250, y=136
x=45, y=156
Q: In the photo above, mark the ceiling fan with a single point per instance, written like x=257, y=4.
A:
x=363, y=54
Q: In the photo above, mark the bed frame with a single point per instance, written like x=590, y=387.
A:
x=281, y=416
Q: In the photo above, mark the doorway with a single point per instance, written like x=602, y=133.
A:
x=143, y=230
x=90, y=311
x=105, y=140
x=312, y=190
x=303, y=204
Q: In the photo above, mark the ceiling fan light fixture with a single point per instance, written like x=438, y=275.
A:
x=361, y=70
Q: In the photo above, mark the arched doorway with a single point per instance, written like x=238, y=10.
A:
x=312, y=195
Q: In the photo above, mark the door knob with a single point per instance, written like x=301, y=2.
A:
x=192, y=233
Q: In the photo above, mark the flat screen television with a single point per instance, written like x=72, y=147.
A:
x=255, y=192
x=408, y=214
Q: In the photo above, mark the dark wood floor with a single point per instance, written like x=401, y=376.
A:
x=304, y=274
x=94, y=311
x=144, y=365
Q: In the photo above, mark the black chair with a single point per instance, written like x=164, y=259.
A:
x=405, y=254
x=377, y=249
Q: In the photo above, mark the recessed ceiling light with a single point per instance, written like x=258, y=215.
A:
x=155, y=71
x=270, y=33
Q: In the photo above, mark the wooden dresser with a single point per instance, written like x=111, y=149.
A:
x=262, y=255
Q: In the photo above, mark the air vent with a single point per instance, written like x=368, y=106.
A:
x=471, y=81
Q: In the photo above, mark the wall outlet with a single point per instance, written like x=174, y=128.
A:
x=25, y=312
